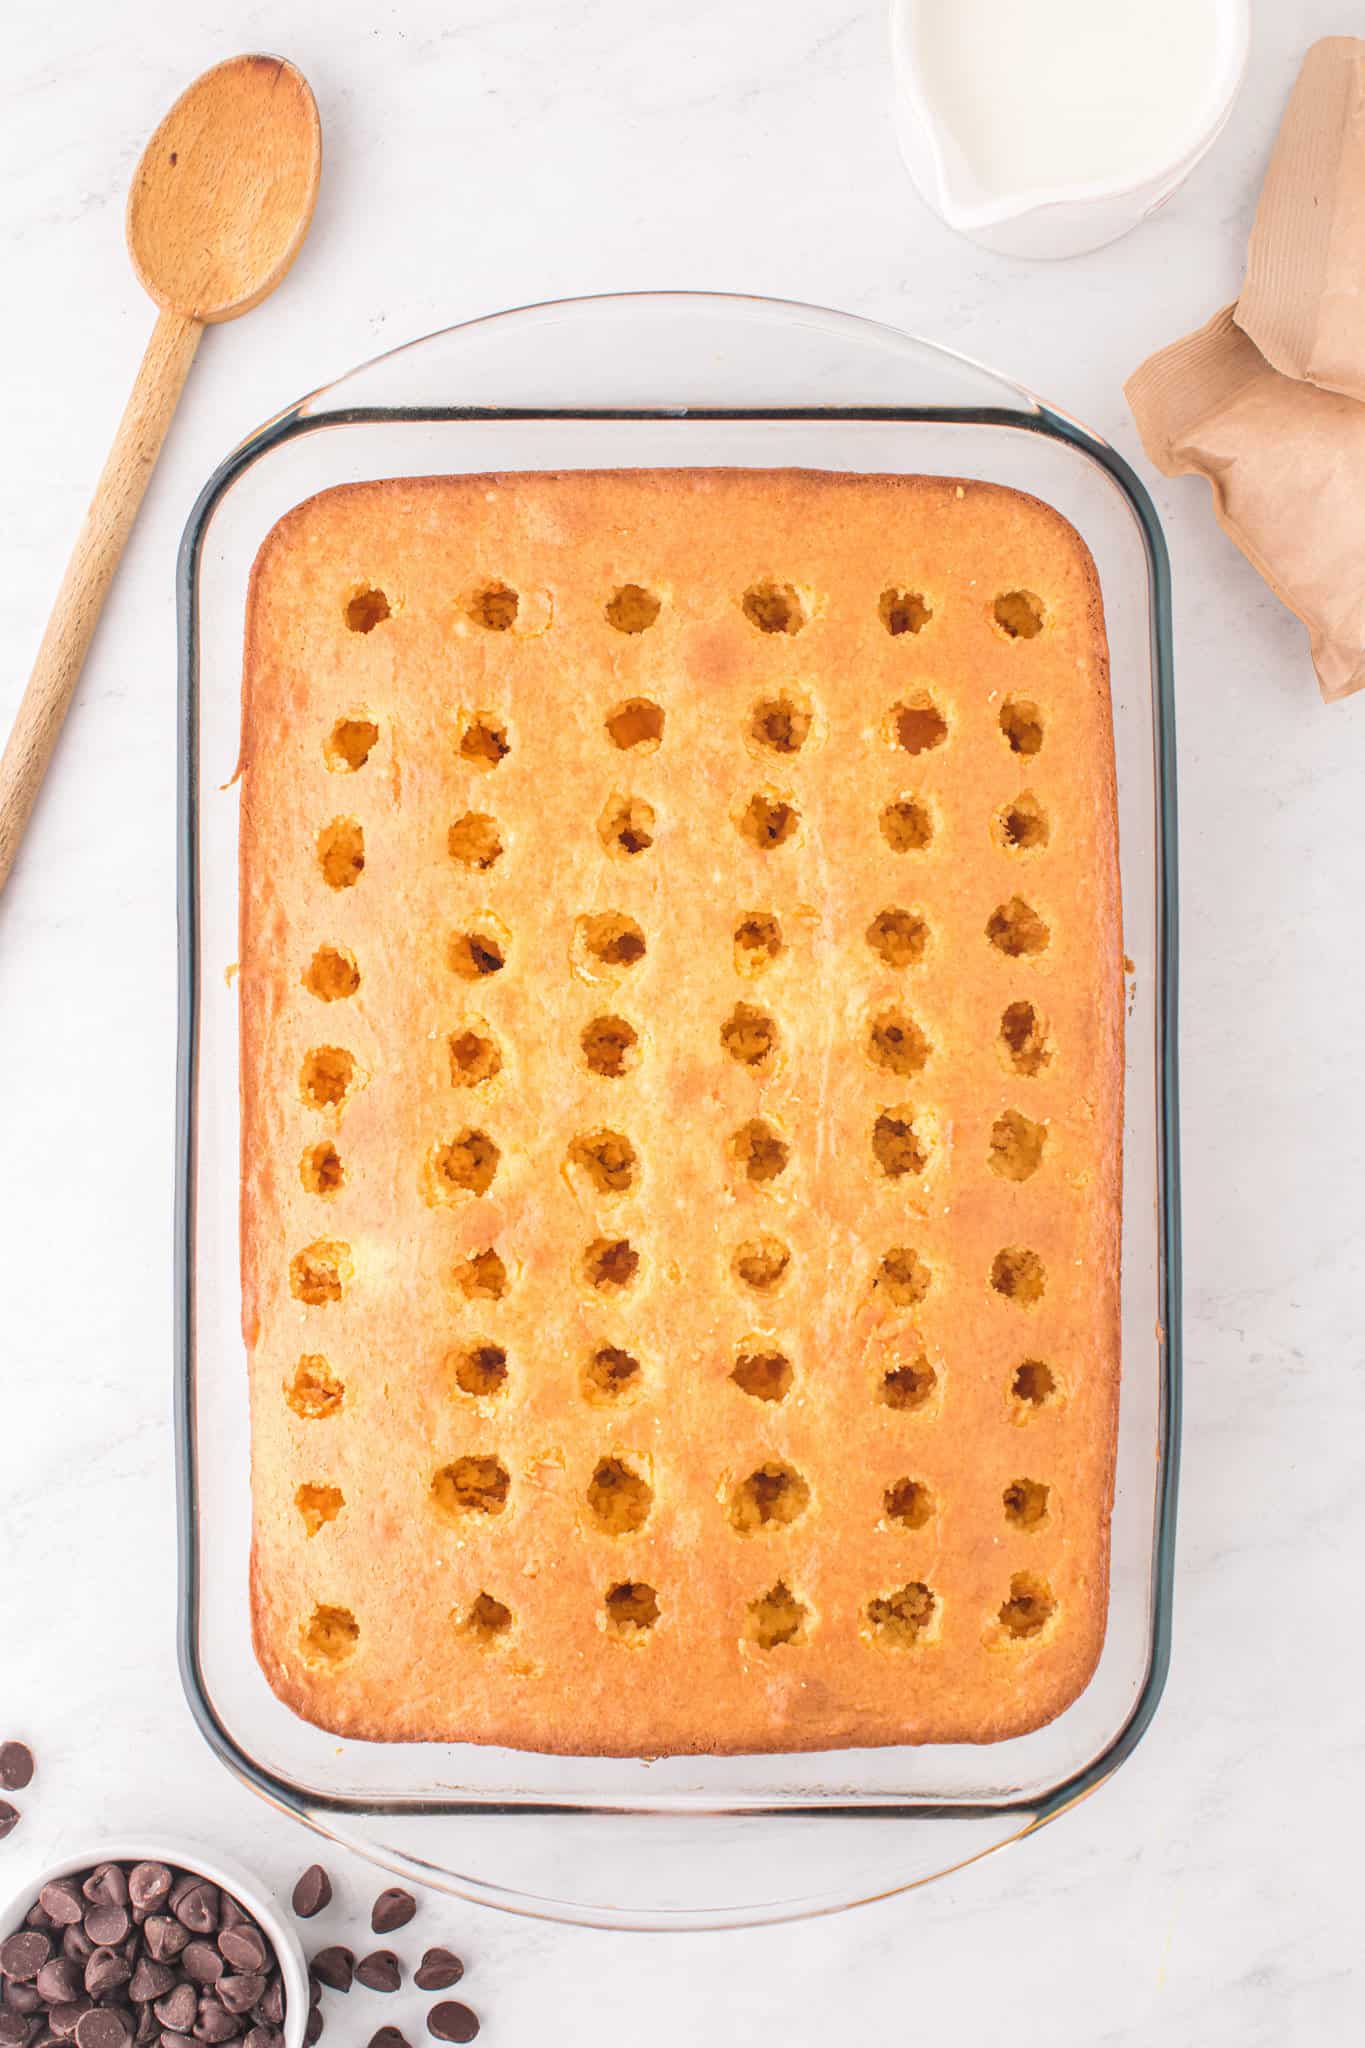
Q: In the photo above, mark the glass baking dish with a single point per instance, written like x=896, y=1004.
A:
x=681, y=380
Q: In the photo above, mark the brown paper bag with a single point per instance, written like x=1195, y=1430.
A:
x=1303, y=302
x=1286, y=463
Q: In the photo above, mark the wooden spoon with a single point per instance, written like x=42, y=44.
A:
x=220, y=204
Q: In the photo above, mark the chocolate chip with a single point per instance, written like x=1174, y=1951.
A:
x=271, y=2007
x=197, y=1909
x=438, y=1970
x=312, y=1892
x=335, y=1967
x=150, y=1980
x=23, y=1955
x=451, y=2021
x=16, y=1766
x=10, y=1818
x=106, y=1886
x=239, y=1993
x=165, y=1938
x=313, y=2031
x=63, y=2019
x=392, y=1909
x=173, y=2040
x=102, y=2027
x=380, y=1971
x=179, y=2009
x=107, y=1926
x=149, y=1884
x=147, y=2026
x=22, y=1998
x=59, y=1981
x=388, y=2037
x=264, y=2037
x=62, y=1902
x=215, y=2022
x=244, y=1947
x=15, y=2029
x=105, y=1972
x=77, y=1944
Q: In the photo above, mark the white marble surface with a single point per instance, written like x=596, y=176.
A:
x=479, y=156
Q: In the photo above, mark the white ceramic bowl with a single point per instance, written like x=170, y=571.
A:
x=247, y=1891
x=1059, y=220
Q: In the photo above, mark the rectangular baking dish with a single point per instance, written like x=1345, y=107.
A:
x=672, y=380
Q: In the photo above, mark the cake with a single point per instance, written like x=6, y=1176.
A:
x=681, y=1067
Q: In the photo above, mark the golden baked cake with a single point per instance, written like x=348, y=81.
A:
x=681, y=1069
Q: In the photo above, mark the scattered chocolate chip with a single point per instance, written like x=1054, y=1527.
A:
x=388, y=2037
x=150, y=1980
x=313, y=2031
x=312, y=1892
x=149, y=1884
x=106, y=1886
x=202, y=1961
x=448, y=2021
x=179, y=2009
x=16, y=1766
x=314, y=1989
x=197, y=1908
x=244, y=1947
x=392, y=1909
x=438, y=1970
x=107, y=1926
x=105, y=1972
x=23, y=1955
x=10, y=1818
x=334, y=1967
x=380, y=1971
x=102, y=2027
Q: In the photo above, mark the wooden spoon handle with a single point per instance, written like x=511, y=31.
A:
x=106, y=528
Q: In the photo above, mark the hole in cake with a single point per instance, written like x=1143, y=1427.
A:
x=749, y=1035
x=608, y=1160
x=909, y=1503
x=1016, y=929
x=467, y=1164
x=610, y=939
x=611, y=1263
x=315, y=1391
x=484, y=741
x=903, y=611
x=482, y=1276
x=632, y=608
x=759, y=1152
x=773, y=608
x=1019, y=1276
x=318, y=1505
x=903, y=1277
x=341, y=853
x=1019, y=614
x=494, y=607
x=619, y=1499
x=474, y=1056
x=1024, y=1038
x=320, y=1271
x=762, y=1263
x=326, y=1078
x=899, y=1620
x=1022, y=724
x=487, y=1619
x=1023, y=823
x=321, y=1170
x=331, y=974
x=632, y=1608
x=767, y=822
x=479, y=1369
x=610, y=1047
x=475, y=840
x=758, y=940
x=918, y=724
x=637, y=723
x=330, y=1634
x=896, y=1044
x=1016, y=1146
x=772, y=1497
x=777, y=1617
x=907, y=825
x=366, y=609
x=909, y=1386
x=474, y=955
x=781, y=723
x=896, y=1146
x=764, y=1375
x=349, y=744
x=898, y=937
x=626, y=826
x=1025, y=1503
x=1034, y=1383
x=610, y=1374
x=1029, y=1608
x=471, y=1486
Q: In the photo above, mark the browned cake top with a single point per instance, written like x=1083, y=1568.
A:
x=680, y=981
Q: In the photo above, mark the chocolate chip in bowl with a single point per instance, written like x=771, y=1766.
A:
x=150, y=1948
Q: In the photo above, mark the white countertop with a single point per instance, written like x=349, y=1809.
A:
x=476, y=157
